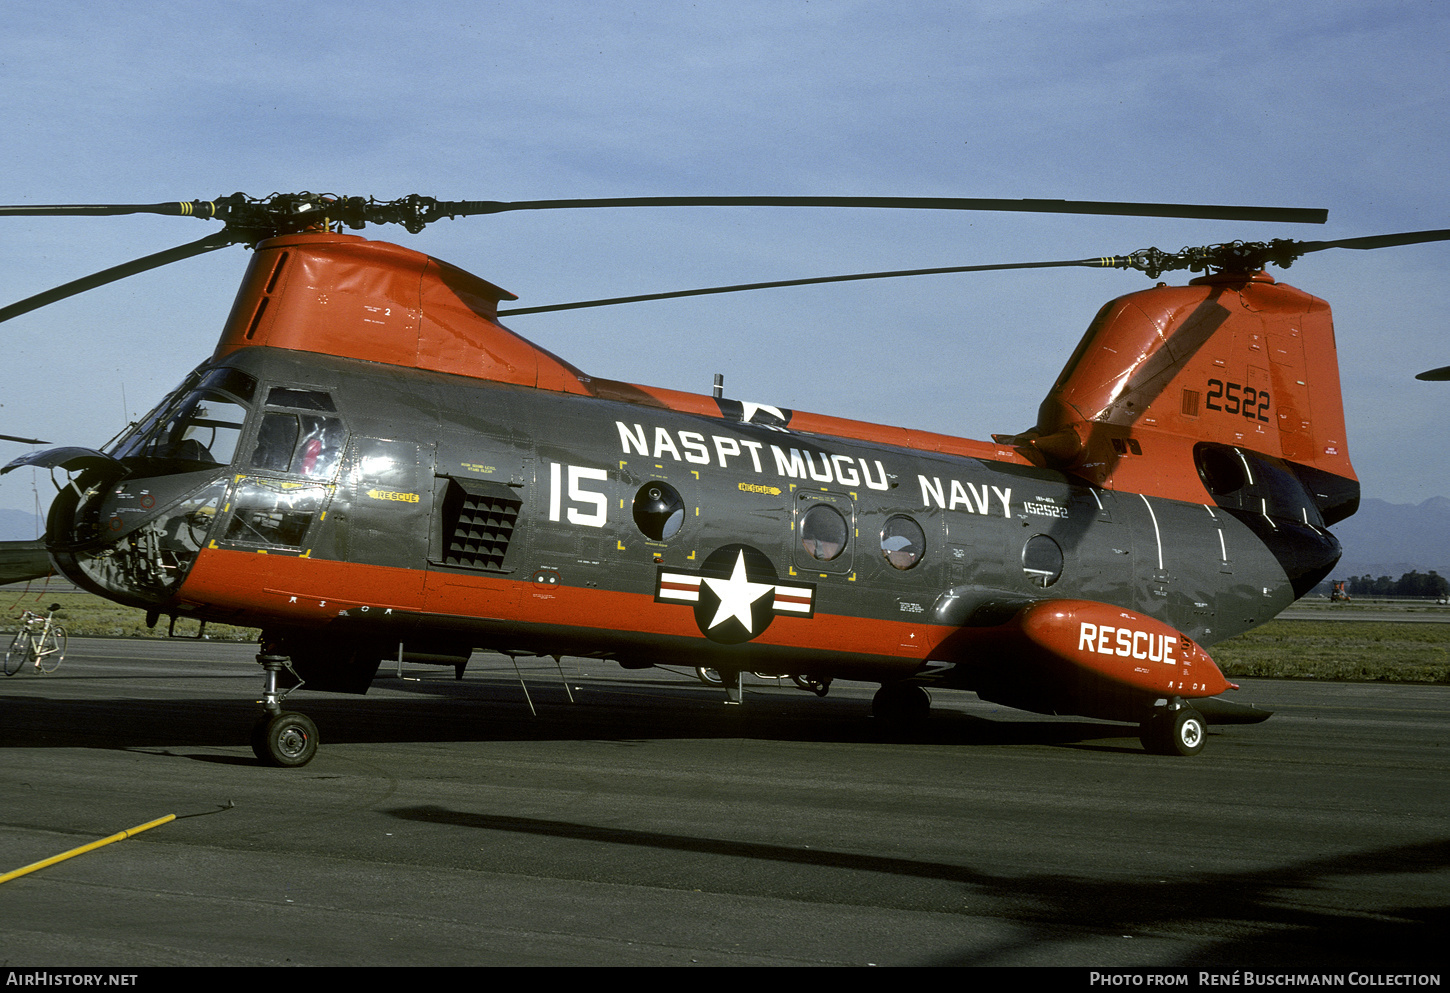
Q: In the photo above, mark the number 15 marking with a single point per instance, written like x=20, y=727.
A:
x=577, y=494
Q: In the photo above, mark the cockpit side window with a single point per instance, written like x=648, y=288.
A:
x=302, y=444
x=276, y=440
x=303, y=440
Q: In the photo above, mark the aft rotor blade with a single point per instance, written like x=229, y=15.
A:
x=1436, y=375
x=211, y=242
x=1104, y=262
x=1297, y=215
x=1377, y=241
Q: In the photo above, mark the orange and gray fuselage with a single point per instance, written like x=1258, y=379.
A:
x=370, y=460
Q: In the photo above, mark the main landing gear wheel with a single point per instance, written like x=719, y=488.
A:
x=820, y=687
x=710, y=677
x=901, y=703
x=1181, y=731
x=288, y=740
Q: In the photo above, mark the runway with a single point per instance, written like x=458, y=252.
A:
x=1382, y=611
x=649, y=824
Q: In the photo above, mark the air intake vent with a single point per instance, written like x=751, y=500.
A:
x=479, y=518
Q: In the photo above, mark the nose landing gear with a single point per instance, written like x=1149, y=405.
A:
x=281, y=738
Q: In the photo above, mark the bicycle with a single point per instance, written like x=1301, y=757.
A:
x=40, y=641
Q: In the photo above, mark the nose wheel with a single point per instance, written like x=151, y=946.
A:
x=287, y=740
x=280, y=737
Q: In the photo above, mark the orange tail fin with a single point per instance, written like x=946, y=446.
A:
x=1170, y=388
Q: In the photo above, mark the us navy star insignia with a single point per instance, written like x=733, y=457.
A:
x=759, y=414
x=735, y=594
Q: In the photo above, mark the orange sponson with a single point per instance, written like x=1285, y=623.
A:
x=1122, y=646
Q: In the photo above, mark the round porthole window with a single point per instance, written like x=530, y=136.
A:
x=1042, y=560
x=659, y=512
x=902, y=542
x=823, y=532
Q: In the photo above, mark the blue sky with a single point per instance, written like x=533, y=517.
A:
x=1335, y=105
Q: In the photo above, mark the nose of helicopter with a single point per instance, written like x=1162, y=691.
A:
x=133, y=537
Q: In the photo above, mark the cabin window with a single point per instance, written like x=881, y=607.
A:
x=823, y=532
x=902, y=542
x=301, y=444
x=659, y=512
x=1042, y=560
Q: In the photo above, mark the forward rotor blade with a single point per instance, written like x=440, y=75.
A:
x=1300, y=215
x=211, y=242
x=1436, y=375
x=182, y=208
x=1104, y=262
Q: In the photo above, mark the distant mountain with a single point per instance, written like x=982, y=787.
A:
x=1391, y=539
x=17, y=525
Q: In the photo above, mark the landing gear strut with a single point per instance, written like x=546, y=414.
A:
x=279, y=737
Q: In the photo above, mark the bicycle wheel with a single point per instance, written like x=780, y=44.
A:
x=52, y=648
x=19, y=652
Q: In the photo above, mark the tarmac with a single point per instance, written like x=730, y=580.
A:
x=648, y=823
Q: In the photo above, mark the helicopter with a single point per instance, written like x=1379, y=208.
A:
x=372, y=466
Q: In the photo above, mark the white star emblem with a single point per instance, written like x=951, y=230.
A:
x=749, y=410
x=736, y=595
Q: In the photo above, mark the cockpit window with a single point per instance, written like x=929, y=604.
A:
x=286, y=396
x=202, y=426
x=199, y=422
x=274, y=511
x=233, y=381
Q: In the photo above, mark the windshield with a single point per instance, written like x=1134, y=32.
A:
x=201, y=422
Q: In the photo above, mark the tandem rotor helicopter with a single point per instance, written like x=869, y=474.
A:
x=370, y=465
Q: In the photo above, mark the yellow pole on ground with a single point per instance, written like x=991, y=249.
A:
x=86, y=848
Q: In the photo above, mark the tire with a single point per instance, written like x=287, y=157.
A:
x=709, y=677
x=19, y=652
x=820, y=687
x=1178, y=732
x=287, y=740
x=52, y=648
x=901, y=703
